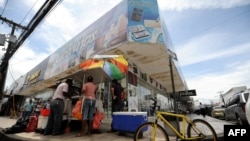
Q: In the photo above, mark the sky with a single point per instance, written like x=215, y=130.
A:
x=211, y=37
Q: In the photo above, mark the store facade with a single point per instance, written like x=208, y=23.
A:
x=133, y=29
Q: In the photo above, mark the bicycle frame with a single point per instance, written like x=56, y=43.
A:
x=182, y=133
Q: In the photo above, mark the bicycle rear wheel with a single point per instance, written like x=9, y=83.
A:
x=145, y=133
x=204, y=127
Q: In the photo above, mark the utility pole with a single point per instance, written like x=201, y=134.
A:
x=172, y=56
x=12, y=48
x=222, y=98
x=5, y=60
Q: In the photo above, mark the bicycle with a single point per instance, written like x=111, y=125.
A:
x=197, y=129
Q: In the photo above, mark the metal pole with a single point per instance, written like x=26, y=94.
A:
x=5, y=67
x=173, y=89
x=222, y=97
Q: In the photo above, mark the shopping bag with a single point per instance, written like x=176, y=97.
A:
x=99, y=105
x=42, y=122
x=97, y=119
x=32, y=124
x=77, y=110
x=45, y=112
x=67, y=106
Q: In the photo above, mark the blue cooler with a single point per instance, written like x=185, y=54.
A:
x=128, y=121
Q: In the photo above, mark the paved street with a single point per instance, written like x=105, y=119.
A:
x=5, y=122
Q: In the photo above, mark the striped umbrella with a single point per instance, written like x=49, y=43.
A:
x=116, y=66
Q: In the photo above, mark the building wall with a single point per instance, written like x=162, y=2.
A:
x=233, y=91
x=132, y=21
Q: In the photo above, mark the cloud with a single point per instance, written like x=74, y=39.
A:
x=24, y=60
x=68, y=22
x=210, y=84
x=180, y=5
x=201, y=49
x=71, y=17
x=61, y=25
x=1, y=3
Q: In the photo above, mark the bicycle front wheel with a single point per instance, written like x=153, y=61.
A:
x=146, y=132
x=204, y=127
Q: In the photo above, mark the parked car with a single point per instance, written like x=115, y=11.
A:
x=218, y=112
x=247, y=107
x=235, y=108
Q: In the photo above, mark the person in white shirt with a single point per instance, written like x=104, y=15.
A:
x=56, y=109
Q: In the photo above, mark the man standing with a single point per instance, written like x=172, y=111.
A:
x=202, y=110
x=56, y=109
x=27, y=110
x=89, y=90
x=117, y=91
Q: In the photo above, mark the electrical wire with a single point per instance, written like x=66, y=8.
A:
x=14, y=107
x=4, y=6
x=20, y=62
x=22, y=21
x=28, y=12
x=12, y=75
x=59, y=1
x=226, y=20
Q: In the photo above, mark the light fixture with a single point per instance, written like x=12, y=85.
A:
x=12, y=38
x=2, y=39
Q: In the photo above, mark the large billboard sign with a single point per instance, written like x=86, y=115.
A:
x=106, y=32
x=144, y=23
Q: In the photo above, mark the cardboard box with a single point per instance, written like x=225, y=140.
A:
x=128, y=121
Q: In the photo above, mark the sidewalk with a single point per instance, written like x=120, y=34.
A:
x=5, y=122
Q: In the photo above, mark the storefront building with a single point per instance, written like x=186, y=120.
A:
x=133, y=29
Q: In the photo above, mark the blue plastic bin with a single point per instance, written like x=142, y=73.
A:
x=128, y=121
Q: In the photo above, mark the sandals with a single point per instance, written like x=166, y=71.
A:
x=80, y=135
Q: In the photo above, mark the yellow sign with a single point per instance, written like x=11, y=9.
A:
x=34, y=76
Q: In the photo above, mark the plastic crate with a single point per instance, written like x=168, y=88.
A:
x=128, y=121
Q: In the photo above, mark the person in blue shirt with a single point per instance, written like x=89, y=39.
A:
x=27, y=110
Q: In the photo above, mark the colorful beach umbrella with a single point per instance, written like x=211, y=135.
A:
x=115, y=66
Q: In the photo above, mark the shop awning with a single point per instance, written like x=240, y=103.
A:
x=76, y=73
x=153, y=59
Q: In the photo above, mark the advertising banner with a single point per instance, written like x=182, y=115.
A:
x=105, y=33
x=144, y=21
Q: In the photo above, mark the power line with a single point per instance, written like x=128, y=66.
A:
x=42, y=12
x=28, y=12
x=226, y=20
x=12, y=75
x=4, y=6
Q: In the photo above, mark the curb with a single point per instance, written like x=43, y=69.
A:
x=12, y=137
x=6, y=137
